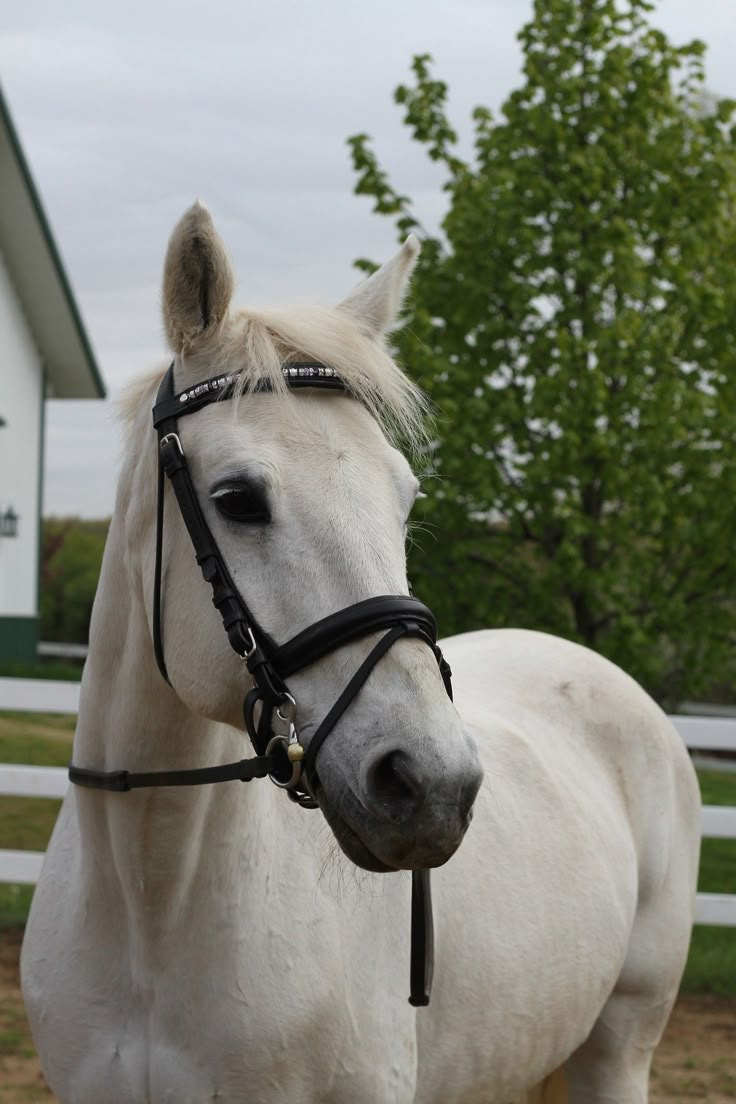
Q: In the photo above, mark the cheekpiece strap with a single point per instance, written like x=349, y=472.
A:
x=244, y=633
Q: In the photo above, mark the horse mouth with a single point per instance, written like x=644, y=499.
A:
x=402, y=853
x=348, y=839
x=356, y=850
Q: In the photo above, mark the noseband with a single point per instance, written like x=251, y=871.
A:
x=279, y=755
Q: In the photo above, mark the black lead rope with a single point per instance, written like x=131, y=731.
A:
x=267, y=662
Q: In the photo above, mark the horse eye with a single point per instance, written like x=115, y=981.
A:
x=242, y=503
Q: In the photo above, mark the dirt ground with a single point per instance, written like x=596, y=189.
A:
x=695, y=1062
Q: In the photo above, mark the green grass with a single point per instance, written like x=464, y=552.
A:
x=717, y=856
x=717, y=787
x=15, y=901
x=711, y=964
x=26, y=823
x=15, y=1041
x=63, y=671
x=39, y=739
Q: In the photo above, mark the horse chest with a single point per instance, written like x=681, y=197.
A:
x=233, y=1046
x=233, y=1005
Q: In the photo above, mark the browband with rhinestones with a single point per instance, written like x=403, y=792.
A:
x=221, y=387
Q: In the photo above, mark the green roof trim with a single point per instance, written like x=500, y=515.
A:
x=52, y=251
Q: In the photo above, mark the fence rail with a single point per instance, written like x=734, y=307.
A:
x=41, y=696
x=49, y=649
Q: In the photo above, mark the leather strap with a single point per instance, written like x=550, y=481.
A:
x=421, y=967
x=349, y=694
x=245, y=770
x=158, y=643
x=217, y=388
x=239, y=623
x=369, y=616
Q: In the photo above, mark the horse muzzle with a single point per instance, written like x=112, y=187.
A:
x=404, y=811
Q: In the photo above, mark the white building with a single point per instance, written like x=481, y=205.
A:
x=44, y=352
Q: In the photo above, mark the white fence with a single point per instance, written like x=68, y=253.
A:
x=40, y=696
x=49, y=649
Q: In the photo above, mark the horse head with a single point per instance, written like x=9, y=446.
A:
x=308, y=501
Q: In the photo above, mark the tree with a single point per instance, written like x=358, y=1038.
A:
x=572, y=324
x=70, y=569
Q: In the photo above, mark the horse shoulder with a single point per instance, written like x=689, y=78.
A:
x=588, y=811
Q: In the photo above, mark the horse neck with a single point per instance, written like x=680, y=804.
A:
x=153, y=844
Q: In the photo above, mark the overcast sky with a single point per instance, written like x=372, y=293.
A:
x=127, y=112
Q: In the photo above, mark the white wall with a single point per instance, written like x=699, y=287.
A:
x=21, y=381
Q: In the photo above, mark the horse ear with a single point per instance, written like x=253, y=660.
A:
x=375, y=304
x=198, y=279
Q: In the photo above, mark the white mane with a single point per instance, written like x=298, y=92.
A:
x=257, y=343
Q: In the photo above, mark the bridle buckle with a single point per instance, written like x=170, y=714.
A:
x=250, y=649
x=172, y=437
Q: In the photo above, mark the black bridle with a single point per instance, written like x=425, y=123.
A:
x=280, y=757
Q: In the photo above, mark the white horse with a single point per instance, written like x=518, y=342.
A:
x=212, y=943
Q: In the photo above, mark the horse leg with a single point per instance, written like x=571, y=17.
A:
x=612, y=1065
x=553, y=1090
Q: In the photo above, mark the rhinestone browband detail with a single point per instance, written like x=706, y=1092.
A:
x=215, y=384
x=288, y=371
x=308, y=370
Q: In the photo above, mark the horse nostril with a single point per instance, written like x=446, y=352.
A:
x=391, y=790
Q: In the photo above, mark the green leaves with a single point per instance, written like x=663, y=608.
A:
x=374, y=182
x=573, y=329
x=425, y=114
x=70, y=569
